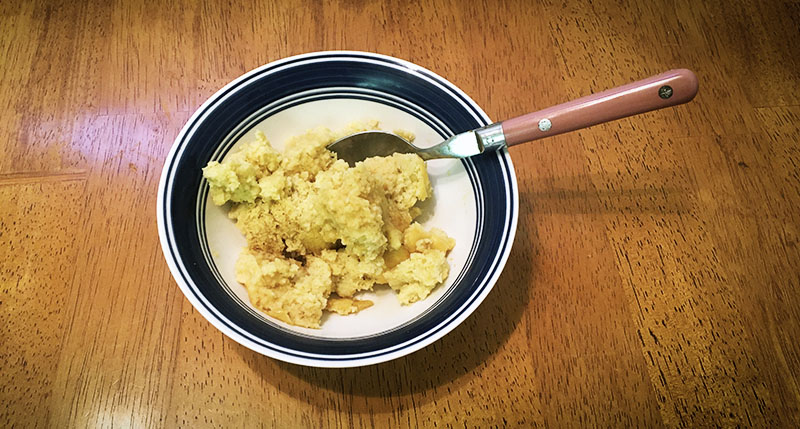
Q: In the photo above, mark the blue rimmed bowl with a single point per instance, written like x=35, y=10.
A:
x=475, y=201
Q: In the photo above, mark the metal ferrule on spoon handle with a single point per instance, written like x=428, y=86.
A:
x=491, y=137
x=663, y=90
x=466, y=144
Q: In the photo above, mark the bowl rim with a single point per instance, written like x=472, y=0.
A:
x=357, y=361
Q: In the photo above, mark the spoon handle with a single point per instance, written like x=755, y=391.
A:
x=663, y=90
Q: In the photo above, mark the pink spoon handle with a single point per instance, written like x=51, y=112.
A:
x=663, y=90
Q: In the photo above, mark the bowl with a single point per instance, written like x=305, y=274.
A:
x=475, y=201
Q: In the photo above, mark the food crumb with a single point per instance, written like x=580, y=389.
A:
x=345, y=306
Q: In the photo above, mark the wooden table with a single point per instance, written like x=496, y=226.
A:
x=654, y=279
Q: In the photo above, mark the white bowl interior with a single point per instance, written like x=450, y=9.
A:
x=452, y=209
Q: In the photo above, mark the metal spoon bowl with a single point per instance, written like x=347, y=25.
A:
x=367, y=144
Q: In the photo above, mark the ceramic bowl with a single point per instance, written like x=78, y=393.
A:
x=475, y=201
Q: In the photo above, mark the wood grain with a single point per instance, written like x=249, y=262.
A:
x=654, y=279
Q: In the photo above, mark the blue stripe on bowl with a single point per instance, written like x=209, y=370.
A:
x=197, y=144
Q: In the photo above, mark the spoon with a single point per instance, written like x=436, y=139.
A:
x=663, y=90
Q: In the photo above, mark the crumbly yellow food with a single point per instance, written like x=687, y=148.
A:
x=319, y=232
